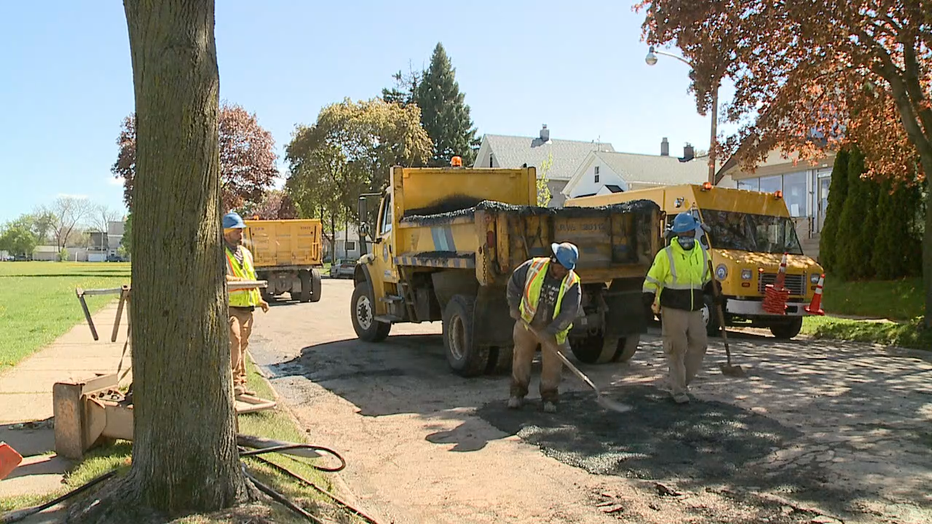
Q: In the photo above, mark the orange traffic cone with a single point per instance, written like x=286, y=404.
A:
x=781, y=275
x=815, y=307
x=9, y=459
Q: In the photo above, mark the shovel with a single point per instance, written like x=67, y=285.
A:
x=603, y=401
x=727, y=368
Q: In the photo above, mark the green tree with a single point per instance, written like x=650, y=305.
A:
x=838, y=192
x=444, y=112
x=856, y=228
x=348, y=151
x=897, y=251
x=405, y=88
x=127, y=241
x=18, y=238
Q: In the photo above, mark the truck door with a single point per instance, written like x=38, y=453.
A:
x=384, y=250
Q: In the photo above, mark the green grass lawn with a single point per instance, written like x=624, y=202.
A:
x=894, y=300
x=38, y=304
x=274, y=424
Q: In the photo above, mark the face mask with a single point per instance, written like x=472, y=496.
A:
x=686, y=243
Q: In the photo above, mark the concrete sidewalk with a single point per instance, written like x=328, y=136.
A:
x=26, y=399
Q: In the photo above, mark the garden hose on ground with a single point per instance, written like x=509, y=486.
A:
x=19, y=515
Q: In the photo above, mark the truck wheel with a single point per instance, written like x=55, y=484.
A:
x=362, y=314
x=627, y=347
x=710, y=317
x=315, y=285
x=466, y=358
x=305, y=294
x=788, y=329
x=594, y=349
x=500, y=360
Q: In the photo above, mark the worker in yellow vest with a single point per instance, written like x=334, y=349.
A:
x=242, y=302
x=543, y=293
x=674, y=287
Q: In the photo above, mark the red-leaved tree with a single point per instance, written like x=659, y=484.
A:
x=247, y=158
x=812, y=75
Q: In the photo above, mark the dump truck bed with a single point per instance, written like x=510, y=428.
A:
x=284, y=243
x=615, y=241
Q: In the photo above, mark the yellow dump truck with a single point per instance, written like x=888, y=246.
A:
x=749, y=233
x=287, y=253
x=446, y=241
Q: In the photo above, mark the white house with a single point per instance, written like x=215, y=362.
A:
x=604, y=172
x=512, y=152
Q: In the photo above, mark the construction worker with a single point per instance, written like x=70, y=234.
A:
x=242, y=302
x=543, y=293
x=677, y=278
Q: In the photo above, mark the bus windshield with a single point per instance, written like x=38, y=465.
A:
x=751, y=232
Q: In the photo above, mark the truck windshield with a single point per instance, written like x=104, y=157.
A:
x=751, y=232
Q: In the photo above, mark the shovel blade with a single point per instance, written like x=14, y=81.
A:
x=732, y=371
x=613, y=405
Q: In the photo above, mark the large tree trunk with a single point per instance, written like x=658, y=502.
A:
x=184, y=450
x=927, y=239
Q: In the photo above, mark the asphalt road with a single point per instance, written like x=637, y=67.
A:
x=818, y=431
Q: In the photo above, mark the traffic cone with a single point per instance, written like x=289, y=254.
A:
x=9, y=459
x=781, y=275
x=815, y=307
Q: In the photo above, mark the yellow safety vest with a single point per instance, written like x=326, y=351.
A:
x=536, y=274
x=677, y=270
x=242, y=297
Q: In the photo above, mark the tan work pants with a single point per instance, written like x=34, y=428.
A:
x=684, y=343
x=552, y=368
x=240, y=329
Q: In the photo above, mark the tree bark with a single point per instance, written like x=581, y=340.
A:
x=926, y=159
x=184, y=451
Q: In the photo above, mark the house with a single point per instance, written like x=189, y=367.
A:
x=513, y=152
x=97, y=246
x=804, y=185
x=604, y=172
x=115, y=230
x=346, y=245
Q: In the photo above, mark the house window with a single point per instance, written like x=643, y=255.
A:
x=351, y=245
x=596, y=171
x=770, y=184
x=749, y=184
x=794, y=192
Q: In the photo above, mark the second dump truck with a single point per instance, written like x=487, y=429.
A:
x=287, y=253
x=446, y=241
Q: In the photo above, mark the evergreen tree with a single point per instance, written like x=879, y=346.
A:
x=853, y=239
x=886, y=251
x=837, y=193
x=444, y=114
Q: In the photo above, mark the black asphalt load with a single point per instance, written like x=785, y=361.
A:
x=697, y=445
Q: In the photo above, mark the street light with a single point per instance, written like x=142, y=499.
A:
x=651, y=59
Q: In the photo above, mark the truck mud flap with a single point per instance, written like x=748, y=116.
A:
x=493, y=324
x=625, y=315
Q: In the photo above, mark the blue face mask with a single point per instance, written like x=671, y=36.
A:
x=686, y=243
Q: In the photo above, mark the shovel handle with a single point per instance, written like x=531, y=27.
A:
x=582, y=376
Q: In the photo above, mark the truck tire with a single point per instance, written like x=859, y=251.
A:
x=500, y=358
x=595, y=349
x=710, y=316
x=305, y=294
x=315, y=285
x=627, y=347
x=465, y=357
x=787, y=330
x=362, y=315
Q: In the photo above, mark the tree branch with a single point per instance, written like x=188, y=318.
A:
x=913, y=85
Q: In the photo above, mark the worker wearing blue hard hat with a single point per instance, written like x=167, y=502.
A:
x=674, y=288
x=242, y=303
x=543, y=293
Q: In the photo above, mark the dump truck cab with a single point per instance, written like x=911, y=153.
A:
x=445, y=244
x=749, y=232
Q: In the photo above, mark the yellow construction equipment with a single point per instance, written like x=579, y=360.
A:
x=446, y=241
x=750, y=231
x=287, y=254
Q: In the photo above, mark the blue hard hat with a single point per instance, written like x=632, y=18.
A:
x=566, y=254
x=684, y=222
x=233, y=221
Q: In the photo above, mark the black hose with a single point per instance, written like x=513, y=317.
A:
x=16, y=516
x=285, y=447
x=281, y=499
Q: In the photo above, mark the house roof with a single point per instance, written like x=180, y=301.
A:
x=642, y=169
x=515, y=151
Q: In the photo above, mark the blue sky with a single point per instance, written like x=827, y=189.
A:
x=576, y=66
